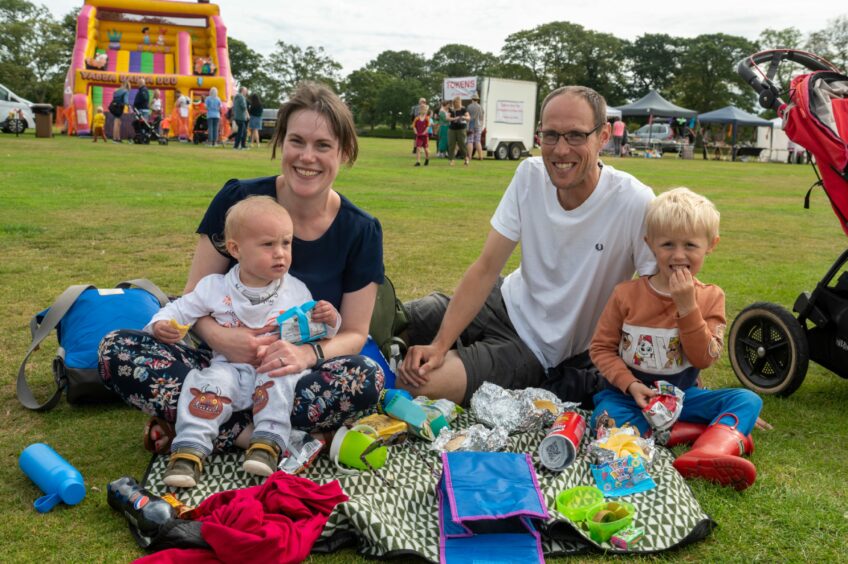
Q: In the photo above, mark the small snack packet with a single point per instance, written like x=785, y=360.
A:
x=664, y=409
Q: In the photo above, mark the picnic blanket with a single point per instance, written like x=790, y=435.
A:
x=402, y=518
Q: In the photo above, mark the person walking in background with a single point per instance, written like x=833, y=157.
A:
x=156, y=109
x=443, y=129
x=475, y=128
x=617, y=136
x=458, y=118
x=213, y=115
x=98, y=125
x=182, y=104
x=120, y=98
x=254, y=111
x=413, y=113
x=420, y=125
x=142, y=99
x=240, y=117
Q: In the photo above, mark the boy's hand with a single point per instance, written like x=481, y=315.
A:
x=164, y=331
x=681, y=286
x=324, y=312
x=641, y=393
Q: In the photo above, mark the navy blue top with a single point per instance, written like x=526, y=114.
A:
x=346, y=258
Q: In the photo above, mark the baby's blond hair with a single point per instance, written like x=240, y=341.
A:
x=681, y=210
x=242, y=212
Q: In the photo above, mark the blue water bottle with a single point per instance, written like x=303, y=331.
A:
x=53, y=474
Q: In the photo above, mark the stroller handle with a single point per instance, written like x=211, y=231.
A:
x=769, y=96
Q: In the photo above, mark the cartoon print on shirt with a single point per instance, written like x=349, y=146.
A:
x=626, y=341
x=644, y=354
x=674, y=353
x=717, y=342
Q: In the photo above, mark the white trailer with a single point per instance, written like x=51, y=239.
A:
x=509, y=108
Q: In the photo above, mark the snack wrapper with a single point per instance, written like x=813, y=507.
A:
x=622, y=476
x=664, y=409
x=475, y=438
x=296, y=325
x=387, y=430
x=620, y=442
x=182, y=510
x=303, y=449
x=516, y=411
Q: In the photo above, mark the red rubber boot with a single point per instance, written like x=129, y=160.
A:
x=717, y=457
x=686, y=433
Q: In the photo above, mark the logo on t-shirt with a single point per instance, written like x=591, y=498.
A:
x=599, y=246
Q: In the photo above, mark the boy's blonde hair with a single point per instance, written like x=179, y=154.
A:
x=682, y=210
x=247, y=209
x=423, y=109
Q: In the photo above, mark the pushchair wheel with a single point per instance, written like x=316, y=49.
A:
x=768, y=349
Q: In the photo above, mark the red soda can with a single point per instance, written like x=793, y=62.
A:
x=559, y=448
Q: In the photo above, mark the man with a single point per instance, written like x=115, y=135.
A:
x=581, y=229
x=142, y=99
x=475, y=127
x=240, y=117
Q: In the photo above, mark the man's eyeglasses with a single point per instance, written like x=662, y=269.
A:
x=573, y=138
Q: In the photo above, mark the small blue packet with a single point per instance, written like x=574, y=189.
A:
x=622, y=476
x=296, y=325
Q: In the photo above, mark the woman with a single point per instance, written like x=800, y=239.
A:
x=443, y=129
x=254, y=125
x=156, y=110
x=120, y=98
x=337, y=251
x=458, y=118
x=213, y=115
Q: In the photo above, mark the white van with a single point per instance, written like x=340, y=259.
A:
x=12, y=106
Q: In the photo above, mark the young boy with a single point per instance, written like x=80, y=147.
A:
x=421, y=125
x=98, y=125
x=258, y=233
x=668, y=327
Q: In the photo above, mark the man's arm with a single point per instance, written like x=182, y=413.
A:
x=423, y=365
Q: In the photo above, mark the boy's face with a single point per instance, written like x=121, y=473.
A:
x=677, y=251
x=263, y=249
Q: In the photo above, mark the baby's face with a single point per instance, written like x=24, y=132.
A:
x=263, y=249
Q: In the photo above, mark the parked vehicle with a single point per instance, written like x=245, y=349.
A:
x=655, y=136
x=269, y=121
x=15, y=112
x=509, y=108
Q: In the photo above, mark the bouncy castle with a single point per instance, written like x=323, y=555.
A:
x=174, y=46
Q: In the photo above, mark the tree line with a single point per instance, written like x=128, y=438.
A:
x=697, y=73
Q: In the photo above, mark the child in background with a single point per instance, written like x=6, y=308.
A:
x=421, y=126
x=258, y=233
x=668, y=327
x=98, y=125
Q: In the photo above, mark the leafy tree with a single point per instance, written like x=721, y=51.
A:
x=455, y=59
x=654, y=60
x=514, y=71
x=708, y=78
x=395, y=99
x=290, y=64
x=832, y=42
x=400, y=64
x=248, y=68
x=362, y=90
x=34, y=51
x=787, y=38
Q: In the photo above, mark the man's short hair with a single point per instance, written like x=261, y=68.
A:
x=595, y=100
x=681, y=211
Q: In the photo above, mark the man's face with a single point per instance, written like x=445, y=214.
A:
x=572, y=168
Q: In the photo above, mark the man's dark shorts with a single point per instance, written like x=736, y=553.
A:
x=491, y=351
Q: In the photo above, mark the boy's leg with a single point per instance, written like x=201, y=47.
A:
x=708, y=406
x=620, y=407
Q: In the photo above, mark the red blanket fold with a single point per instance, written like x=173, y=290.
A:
x=277, y=521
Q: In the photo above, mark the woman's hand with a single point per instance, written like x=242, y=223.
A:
x=238, y=344
x=283, y=358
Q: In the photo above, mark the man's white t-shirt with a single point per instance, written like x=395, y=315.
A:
x=570, y=260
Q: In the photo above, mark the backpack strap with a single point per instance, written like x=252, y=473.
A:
x=148, y=286
x=40, y=331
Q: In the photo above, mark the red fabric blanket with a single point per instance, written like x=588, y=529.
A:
x=277, y=521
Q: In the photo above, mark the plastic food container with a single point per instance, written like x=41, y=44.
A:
x=575, y=502
x=607, y=518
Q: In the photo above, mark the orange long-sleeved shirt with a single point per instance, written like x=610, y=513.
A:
x=640, y=336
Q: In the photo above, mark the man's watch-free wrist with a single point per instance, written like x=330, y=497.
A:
x=319, y=353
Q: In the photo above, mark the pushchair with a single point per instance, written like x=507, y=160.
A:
x=770, y=348
x=145, y=131
x=201, y=129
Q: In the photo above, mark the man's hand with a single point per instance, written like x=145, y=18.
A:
x=641, y=393
x=681, y=286
x=419, y=361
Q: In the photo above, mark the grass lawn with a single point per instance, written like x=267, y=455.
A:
x=77, y=212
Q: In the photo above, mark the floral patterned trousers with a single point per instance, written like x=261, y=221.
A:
x=148, y=375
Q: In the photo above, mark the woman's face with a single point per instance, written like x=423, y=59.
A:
x=311, y=154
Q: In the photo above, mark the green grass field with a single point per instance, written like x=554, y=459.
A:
x=77, y=212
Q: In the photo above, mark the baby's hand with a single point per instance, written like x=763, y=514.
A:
x=324, y=312
x=169, y=331
x=641, y=393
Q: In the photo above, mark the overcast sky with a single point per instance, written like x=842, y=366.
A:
x=354, y=32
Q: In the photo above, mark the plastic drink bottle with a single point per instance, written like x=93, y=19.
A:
x=145, y=511
x=53, y=474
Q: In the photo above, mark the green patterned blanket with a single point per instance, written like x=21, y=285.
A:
x=403, y=519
